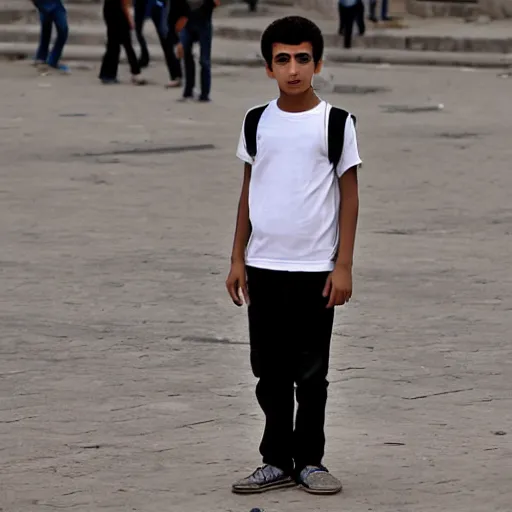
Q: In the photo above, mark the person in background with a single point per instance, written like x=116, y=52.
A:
x=350, y=11
x=158, y=11
x=198, y=28
x=253, y=5
x=119, y=24
x=384, y=16
x=52, y=12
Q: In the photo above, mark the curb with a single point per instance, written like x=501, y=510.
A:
x=75, y=53
x=421, y=58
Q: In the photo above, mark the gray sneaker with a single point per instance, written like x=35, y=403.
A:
x=318, y=480
x=265, y=478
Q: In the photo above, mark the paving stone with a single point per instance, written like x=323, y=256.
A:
x=124, y=372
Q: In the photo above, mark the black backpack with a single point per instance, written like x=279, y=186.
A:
x=335, y=136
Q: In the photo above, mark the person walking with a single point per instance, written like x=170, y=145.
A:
x=384, y=16
x=118, y=20
x=52, y=12
x=253, y=5
x=198, y=28
x=350, y=12
x=158, y=11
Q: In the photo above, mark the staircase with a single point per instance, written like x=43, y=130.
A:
x=237, y=35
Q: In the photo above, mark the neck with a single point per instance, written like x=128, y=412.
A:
x=298, y=102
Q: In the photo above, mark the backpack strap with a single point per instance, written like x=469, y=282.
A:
x=251, y=122
x=336, y=134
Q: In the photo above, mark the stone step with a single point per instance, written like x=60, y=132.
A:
x=397, y=41
x=94, y=34
x=283, y=3
x=24, y=12
x=237, y=53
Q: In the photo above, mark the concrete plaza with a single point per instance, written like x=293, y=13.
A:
x=124, y=374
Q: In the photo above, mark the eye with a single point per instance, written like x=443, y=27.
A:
x=303, y=58
x=282, y=59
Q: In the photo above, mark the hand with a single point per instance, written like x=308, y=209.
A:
x=338, y=286
x=180, y=24
x=179, y=51
x=236, y=282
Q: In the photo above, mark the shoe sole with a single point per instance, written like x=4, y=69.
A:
x=259, y=490
x=318, y=492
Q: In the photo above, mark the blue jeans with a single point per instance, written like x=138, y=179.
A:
x=383, y=9
x=51, y=12
x=197, y=30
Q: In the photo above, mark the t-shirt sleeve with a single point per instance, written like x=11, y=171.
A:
x=350, y=156
x=241, y=151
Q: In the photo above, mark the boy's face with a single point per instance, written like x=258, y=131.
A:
x=293, y=67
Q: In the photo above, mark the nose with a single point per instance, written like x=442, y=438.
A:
x=293, y=67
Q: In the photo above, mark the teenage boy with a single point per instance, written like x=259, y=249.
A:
x=52, y=12
x=292, y=254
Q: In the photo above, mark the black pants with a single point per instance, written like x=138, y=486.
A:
x=118, y=34
x=349, y=15
x=290, y=333
x=197, y=30
x=166, y=35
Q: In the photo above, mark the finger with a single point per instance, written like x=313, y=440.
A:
x=233, y=293
x=327, y=287
x=245, y=293
x=332, y=299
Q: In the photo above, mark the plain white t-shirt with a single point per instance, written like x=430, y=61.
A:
x=294, y=195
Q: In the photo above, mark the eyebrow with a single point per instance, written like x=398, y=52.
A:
x=285, y=54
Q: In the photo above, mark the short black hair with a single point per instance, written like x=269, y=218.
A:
x=292, y=30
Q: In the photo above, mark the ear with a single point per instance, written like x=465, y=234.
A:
x=270, y=73
x=319, y=67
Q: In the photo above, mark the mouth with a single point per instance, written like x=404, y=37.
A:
x=294, y=82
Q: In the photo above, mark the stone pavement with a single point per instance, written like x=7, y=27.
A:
x=124, y=374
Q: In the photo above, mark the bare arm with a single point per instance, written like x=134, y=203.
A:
x=349, y=211
x=339, y=283
x=126, y=6
x=243, y=224
x=237, y=279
